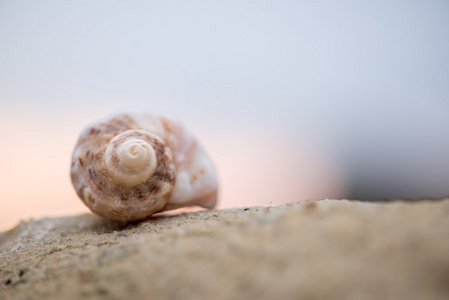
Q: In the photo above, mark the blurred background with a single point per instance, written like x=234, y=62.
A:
x=294, y=100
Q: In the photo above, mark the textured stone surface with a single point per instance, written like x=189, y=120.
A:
x=327, y=249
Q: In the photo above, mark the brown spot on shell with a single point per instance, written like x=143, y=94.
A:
x=90, y=199
x=94, y=131
x=153, y=187
x=117, y=125
x=160, y=175
x=139, y=193
x=193, y=178
x=123, y=196
x=92, y=174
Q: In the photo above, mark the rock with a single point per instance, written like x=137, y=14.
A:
x=326, y=249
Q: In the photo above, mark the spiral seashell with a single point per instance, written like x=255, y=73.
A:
x=135, y=162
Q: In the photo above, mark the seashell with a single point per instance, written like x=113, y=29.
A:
x=136, y=162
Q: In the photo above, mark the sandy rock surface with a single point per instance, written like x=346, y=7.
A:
x=327, y=249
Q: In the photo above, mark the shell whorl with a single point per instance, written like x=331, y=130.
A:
x=122, y=173
x=131, y=160
x=136, y=162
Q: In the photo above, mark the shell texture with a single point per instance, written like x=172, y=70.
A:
x=136, y=162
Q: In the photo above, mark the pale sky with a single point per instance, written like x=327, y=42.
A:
x=293, y=99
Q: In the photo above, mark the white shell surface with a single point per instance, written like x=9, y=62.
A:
x=195, y=181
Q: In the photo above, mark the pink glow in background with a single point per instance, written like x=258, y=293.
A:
x=254, y=169
x=293, y=100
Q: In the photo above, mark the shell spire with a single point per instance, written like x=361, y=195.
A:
x=130, y=157
x=136, y=162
